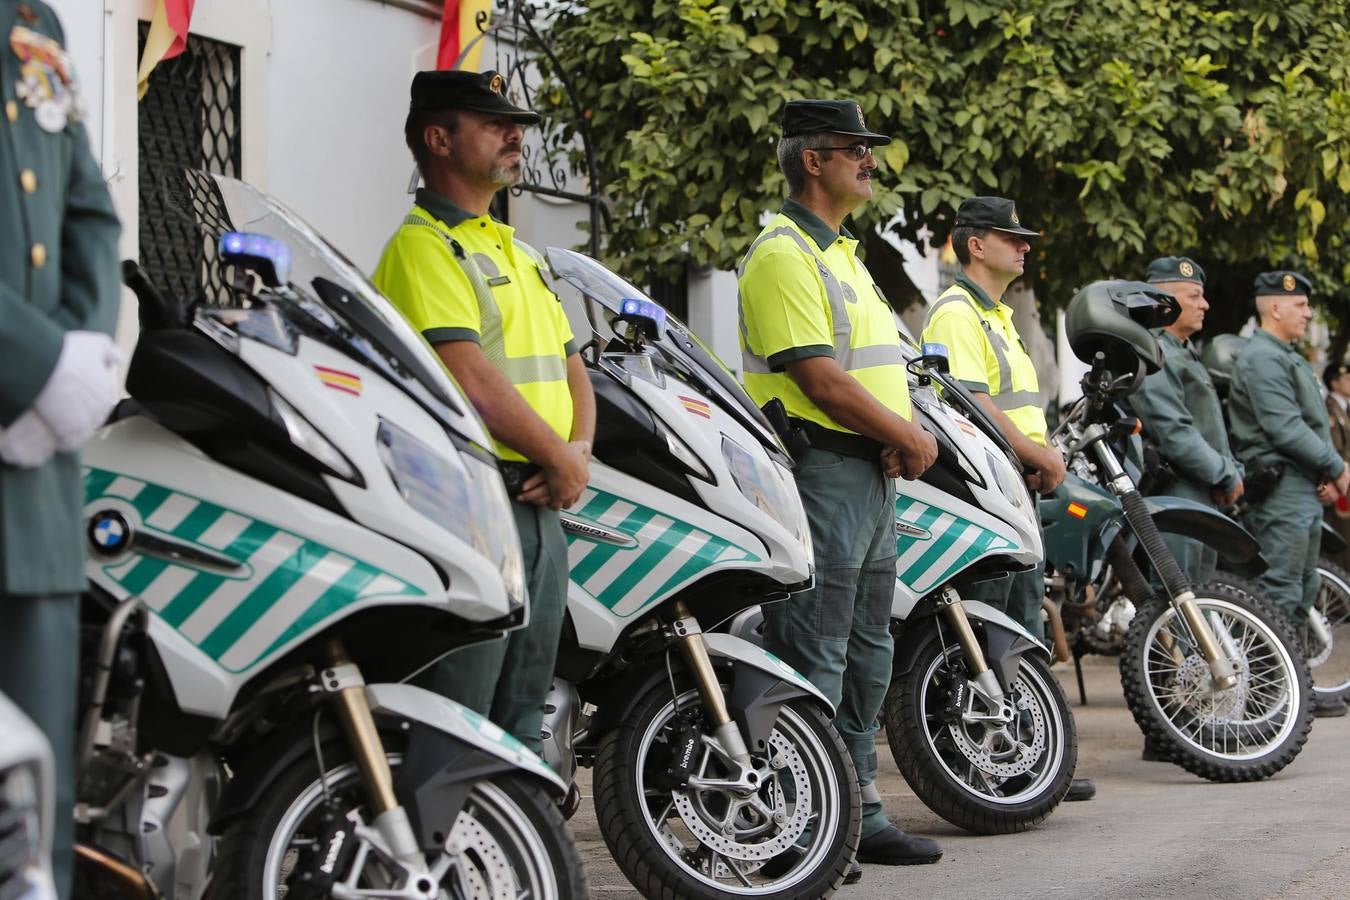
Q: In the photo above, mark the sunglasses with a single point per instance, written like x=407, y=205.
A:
x=855, y=152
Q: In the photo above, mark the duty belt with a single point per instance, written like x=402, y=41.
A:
x=515, y=474
x=823, y=438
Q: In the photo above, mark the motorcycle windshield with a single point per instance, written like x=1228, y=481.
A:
x=329, y=299
x=680, y=346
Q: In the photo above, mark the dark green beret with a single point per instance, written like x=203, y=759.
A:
x=998, y=213
x=483, y=92
x=803, y=117
x=1174, y=268
x=1282, y=284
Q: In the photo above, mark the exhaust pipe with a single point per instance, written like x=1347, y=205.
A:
x=1058, y=638
x=108, y=872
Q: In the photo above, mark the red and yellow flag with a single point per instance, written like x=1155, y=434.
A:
x=459, y=27
x=167, y=38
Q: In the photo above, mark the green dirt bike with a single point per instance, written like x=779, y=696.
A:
x=1214, y=676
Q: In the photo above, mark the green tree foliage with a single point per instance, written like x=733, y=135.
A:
x=1123, y=129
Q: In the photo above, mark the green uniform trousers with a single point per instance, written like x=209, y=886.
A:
x=508, y=679
x=838, y=633
x=1288, y=525
x=39, y=672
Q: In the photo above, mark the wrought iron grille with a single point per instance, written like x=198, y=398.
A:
x=189, y=119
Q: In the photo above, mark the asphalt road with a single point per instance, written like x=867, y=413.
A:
x=1154, y=830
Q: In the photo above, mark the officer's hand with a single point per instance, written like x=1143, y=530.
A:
x=82, y=389
x=28, y=442
x=1326, y=493
x=1033, y=480
x=566, y=476
x=916, y=452
x=1223, y=498
x=1051, y=469
x=891, y=464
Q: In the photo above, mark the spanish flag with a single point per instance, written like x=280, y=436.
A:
x=459, y=27
x=167, y=38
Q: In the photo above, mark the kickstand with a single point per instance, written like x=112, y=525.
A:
x=1078, y=670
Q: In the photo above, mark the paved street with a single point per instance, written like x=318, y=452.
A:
x=1153, y=831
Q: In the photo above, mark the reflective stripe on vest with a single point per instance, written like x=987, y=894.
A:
x=517, y=369
x=1004, y=399
x=847, y=356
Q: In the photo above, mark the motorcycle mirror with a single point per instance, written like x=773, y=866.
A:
x=266, y=256
x=647, y=318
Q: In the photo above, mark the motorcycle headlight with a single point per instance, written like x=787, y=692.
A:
x=463, y=494
x=1009, y=485
x=309, y=439
x=765, y=484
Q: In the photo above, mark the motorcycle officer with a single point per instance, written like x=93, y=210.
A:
x=59, y=294
x=1281, y=434
x=988, y=356
x=480, y=298
x=1180, y=411
x=818, y=338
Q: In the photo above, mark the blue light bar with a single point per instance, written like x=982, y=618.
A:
x=935, y=350
x=269, y=257
x=645, y=314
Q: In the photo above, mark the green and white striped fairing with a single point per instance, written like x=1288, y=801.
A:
x=286, y=582
x=668, y=554
x=952, y=543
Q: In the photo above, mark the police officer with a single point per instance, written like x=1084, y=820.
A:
x=818, y=338
x=988, y=356
x=479, y=296
x=1181, y=413
x=1280, y=430
x=58, y=379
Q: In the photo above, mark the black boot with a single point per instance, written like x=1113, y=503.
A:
x=1080, y=789
x=892, y=847
x=1328, y=707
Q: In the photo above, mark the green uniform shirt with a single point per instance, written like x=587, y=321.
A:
x=498, y=297
x=1277, y=411
x=58, y=273
x=804, y=293
x=1182, y=417
x=986, y=353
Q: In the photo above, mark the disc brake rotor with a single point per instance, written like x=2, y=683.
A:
x=1000, y=752
x=706, y=827
x=482, y=867
x=1194, y=691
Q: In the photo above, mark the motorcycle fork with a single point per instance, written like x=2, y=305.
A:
x=343, y=680
x=983, y=677
x=689, y=637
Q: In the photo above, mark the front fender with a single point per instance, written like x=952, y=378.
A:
x=1005, y=641
x=1239, y=551
x=1332, y=542
x=762, y=683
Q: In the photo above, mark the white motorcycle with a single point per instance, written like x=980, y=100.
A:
x=297, y=511
x=712, y=757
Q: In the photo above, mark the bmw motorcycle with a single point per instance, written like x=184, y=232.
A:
x=1213, y=675
x=978, y=725
x=295, y=512
x=712, y=756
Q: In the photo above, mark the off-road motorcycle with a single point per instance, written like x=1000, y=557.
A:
x=1213, y=675
x=711, y=756
x=295, y=512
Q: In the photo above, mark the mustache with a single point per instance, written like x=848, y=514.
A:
x=511, y=148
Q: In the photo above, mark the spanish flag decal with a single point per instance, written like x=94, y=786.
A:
x=697, y=407
x=338, y=380
x=1077, y=510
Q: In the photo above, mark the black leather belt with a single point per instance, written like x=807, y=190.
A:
x=515, y=474
x=823, y=438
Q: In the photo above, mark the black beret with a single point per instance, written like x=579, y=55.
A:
x=1282, y=284
x=998, y=213
x=1174, y=268
x=483, y=92
x=802, y=117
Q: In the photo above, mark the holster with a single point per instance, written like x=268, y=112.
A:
x=794, y=440
x=1260, y=478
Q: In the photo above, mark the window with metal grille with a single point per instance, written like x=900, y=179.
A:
x=188, y=119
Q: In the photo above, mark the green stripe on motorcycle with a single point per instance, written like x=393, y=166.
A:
x=925, y=521
x=146, y=570
x=261, y=599
x=96, y=482
x=149, y=499
x=648, y=560
x=201, y=587
x=706, y=556
x=941, y=544
x=195, y=523
x=344, y=591
x=603, y=553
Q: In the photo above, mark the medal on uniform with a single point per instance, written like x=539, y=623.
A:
x=46, y=81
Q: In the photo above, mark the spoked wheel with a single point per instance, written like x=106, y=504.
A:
x=1245, y=733
x=990, y=772
x=1326, y=634
x=508, y=842
x=712, y=835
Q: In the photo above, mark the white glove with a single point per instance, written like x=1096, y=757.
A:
x=28, y=442
x=82, y=389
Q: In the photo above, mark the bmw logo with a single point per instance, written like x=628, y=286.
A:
x=109, y=533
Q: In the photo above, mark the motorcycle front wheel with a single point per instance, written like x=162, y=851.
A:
x=701, y=838
x=508, y=841
x=986, y=777
x=1326, y=636
x=1246, y=733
